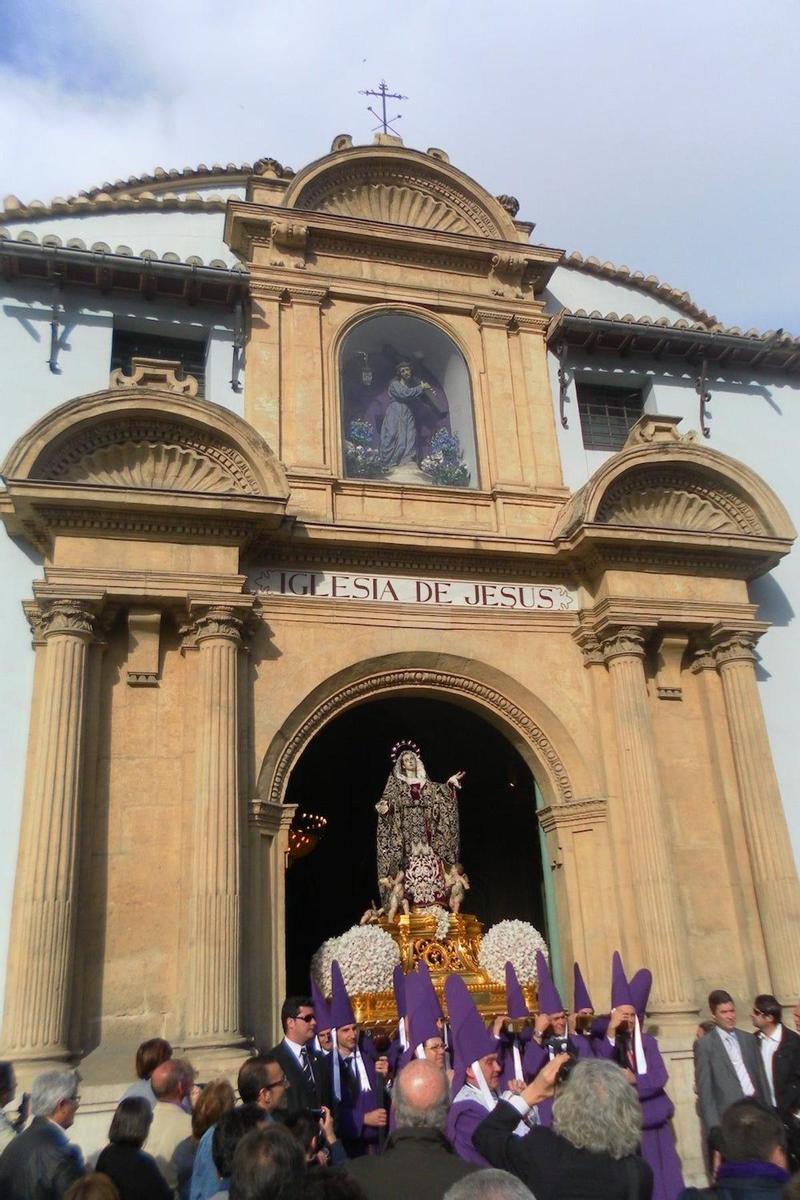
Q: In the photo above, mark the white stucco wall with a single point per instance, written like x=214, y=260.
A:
x=28, y=390
x=756, y=421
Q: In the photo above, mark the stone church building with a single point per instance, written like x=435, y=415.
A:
x=298, y=463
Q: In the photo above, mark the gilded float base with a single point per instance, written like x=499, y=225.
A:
x=454, y=954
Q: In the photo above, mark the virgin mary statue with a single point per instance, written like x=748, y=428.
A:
x=417, y=830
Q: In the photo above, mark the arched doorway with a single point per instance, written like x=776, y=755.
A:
x=340, y=776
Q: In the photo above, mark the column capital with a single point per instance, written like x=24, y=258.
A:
x=702, y=660
x=591, y=647
x=626, y=641
x=492, y=318
x=734, y=645
x=218, y=621
x=72, y=616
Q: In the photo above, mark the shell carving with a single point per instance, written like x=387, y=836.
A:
x=395, y=205
x=674, y=509
x=151, y=465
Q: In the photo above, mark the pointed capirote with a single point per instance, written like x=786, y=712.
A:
x=546, y=990
x=580, y=992
x=341, y=1012
x=516, y=1008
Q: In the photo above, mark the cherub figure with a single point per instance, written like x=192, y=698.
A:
x=457, y=882
x=396, y=899
x=372, y=916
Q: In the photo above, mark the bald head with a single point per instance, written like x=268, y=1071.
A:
x=172, y=1080
x=421, y=1096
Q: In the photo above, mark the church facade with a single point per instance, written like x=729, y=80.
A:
x=348, y=434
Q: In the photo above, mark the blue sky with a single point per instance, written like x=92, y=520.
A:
x=659, y=135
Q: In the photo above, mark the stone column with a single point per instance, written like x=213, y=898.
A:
x=505, y=438
x=656, y=897
x=43, y=922
x=213, y=1013
x=774, y=875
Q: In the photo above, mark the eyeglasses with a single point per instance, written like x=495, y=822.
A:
x=282, y=1082
x=305, y=1017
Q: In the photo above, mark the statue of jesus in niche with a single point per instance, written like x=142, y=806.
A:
x=411, y=406
x=418, y=830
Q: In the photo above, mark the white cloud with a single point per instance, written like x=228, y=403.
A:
x=658, y=135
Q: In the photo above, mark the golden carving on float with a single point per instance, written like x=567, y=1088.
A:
x=455, y=953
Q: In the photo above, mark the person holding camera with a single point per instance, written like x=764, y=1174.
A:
x=590, y=1151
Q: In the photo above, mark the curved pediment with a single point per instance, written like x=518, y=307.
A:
x=676, y=497
x=148, y=439
x=402, y=187
x=666, y=482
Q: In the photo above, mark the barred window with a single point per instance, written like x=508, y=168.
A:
x=191, y=354
x=607, y=414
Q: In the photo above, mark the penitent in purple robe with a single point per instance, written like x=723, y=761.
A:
x=463, y=1119
x=658, y=1144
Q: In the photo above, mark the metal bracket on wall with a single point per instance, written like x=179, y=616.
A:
x=562, y=350
x=237, y=352
x=52, y=361
x=701, y=387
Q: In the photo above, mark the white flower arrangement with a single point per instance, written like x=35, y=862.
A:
x=367, y=956
x=515, y=942
x=441, y=916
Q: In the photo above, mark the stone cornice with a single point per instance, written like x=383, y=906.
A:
x=590, y=811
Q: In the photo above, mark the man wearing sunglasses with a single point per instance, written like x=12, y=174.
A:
x=780, y=1054
x=304, y=1067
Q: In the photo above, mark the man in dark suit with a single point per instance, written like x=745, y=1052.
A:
x=780, y=1055
x=41, y=1163
x=727, y=1064
x=418, y=1160
x=304, y=1067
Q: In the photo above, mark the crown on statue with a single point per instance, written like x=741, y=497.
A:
x=399, y=747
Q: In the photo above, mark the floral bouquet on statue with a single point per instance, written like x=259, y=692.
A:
x=362, y=459
x=444, y=462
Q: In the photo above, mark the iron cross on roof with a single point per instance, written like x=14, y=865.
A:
x=384, y=94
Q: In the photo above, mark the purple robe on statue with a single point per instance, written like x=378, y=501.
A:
x=658, y=1144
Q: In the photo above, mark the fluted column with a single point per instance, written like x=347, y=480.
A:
x=774, y=875
x=43, y=921
x=655, y=891
x=213, y=1015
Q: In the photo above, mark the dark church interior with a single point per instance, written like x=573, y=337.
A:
x=341, y=777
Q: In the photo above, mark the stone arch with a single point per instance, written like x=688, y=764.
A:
x=397, y=186
x=529, y=724
x=663, y=482
x=147, y=438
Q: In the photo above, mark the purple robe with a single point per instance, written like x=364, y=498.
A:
x=658, y=1144
x=505, y=1054
x=355, y=1103
x=463, y=1119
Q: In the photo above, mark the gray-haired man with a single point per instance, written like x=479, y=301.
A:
x=40, y=1164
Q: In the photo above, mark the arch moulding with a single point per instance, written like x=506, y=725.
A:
x=530, y=726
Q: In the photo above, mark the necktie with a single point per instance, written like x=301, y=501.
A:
x=308, y=1071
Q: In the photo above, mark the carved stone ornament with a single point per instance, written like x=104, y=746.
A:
x=67, y=616
x=737, y=646
x=471, y=689
x=146, y=452
x=627, y=641
x=674, y=497
x=591, y=647
x=657, y=427
x=219, y=621
x=509, y=203
x=398, y=194
x=155, y=372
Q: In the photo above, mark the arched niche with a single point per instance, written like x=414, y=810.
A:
x=406, y=404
